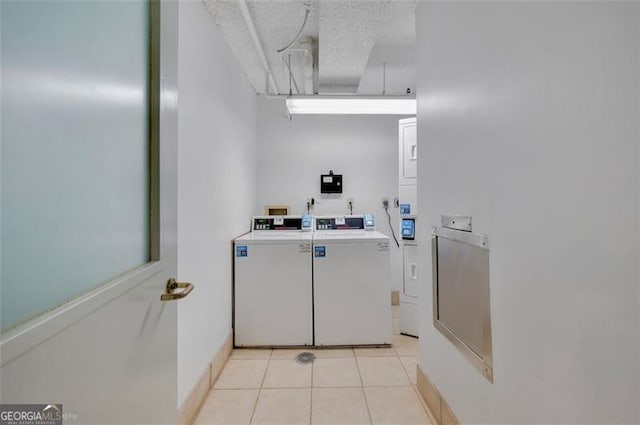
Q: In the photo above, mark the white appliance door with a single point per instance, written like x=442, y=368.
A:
x=273, y=294
x=351, y=283
x=108, y=352
x=410, y=276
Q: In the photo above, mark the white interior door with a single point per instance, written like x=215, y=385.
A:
x=89, y=143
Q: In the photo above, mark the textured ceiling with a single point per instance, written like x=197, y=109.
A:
x=341, y=50
x=348, y=31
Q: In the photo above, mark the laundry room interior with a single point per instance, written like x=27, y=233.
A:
x=383, y=212
x=282, y=169
x=281, y=164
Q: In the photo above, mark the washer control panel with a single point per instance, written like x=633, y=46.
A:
x=275, y=223
x=346, y=222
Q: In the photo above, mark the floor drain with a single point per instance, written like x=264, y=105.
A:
x=305, y=357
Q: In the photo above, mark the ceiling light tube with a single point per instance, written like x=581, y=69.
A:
x=354, y=105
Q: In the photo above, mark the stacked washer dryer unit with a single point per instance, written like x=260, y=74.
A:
x=351, y=282
x=408, y=194
x=273, y=283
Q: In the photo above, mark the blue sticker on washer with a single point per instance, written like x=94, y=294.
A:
x=320, y=251
x=405, y=209
x=241, y=251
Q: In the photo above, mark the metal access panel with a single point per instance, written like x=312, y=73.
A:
x=461, y=302
x=331, y=183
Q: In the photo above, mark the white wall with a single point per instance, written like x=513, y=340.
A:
x=293, y=154
x=217, y=142
x=528, y=121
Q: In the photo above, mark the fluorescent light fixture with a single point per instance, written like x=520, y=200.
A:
x=355, y=105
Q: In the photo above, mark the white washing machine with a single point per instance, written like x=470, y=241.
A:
x=351, y=282
x=273, y=293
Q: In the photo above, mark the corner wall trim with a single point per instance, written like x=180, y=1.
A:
x=438, y=406
x=188, y=412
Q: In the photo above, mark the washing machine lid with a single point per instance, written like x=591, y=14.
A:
x=345, y=236
x=271, y=237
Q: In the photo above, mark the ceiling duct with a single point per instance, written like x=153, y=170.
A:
x=334, y=46
x=348, y=31
x=302, y=64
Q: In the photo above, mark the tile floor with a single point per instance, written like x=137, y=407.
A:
x=341, y=387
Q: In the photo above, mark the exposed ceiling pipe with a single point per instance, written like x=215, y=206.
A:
x=258, y=44
x=292, y=77
x=304, y=22
x=384, y=78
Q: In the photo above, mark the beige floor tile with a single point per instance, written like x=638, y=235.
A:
x=241, y=373
x=382, y=371
x=288, y=353
x=410, y=364
x=251, y=353
x=283, y=407
x=336, y=373
x=405, y=345
x=323, y=353
x=395, y=406
x=287, y=373
x=375, y=352
x=228, y=407
x=331, y=406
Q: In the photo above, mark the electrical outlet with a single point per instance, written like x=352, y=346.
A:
x=396, y=203
x=385, y=202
